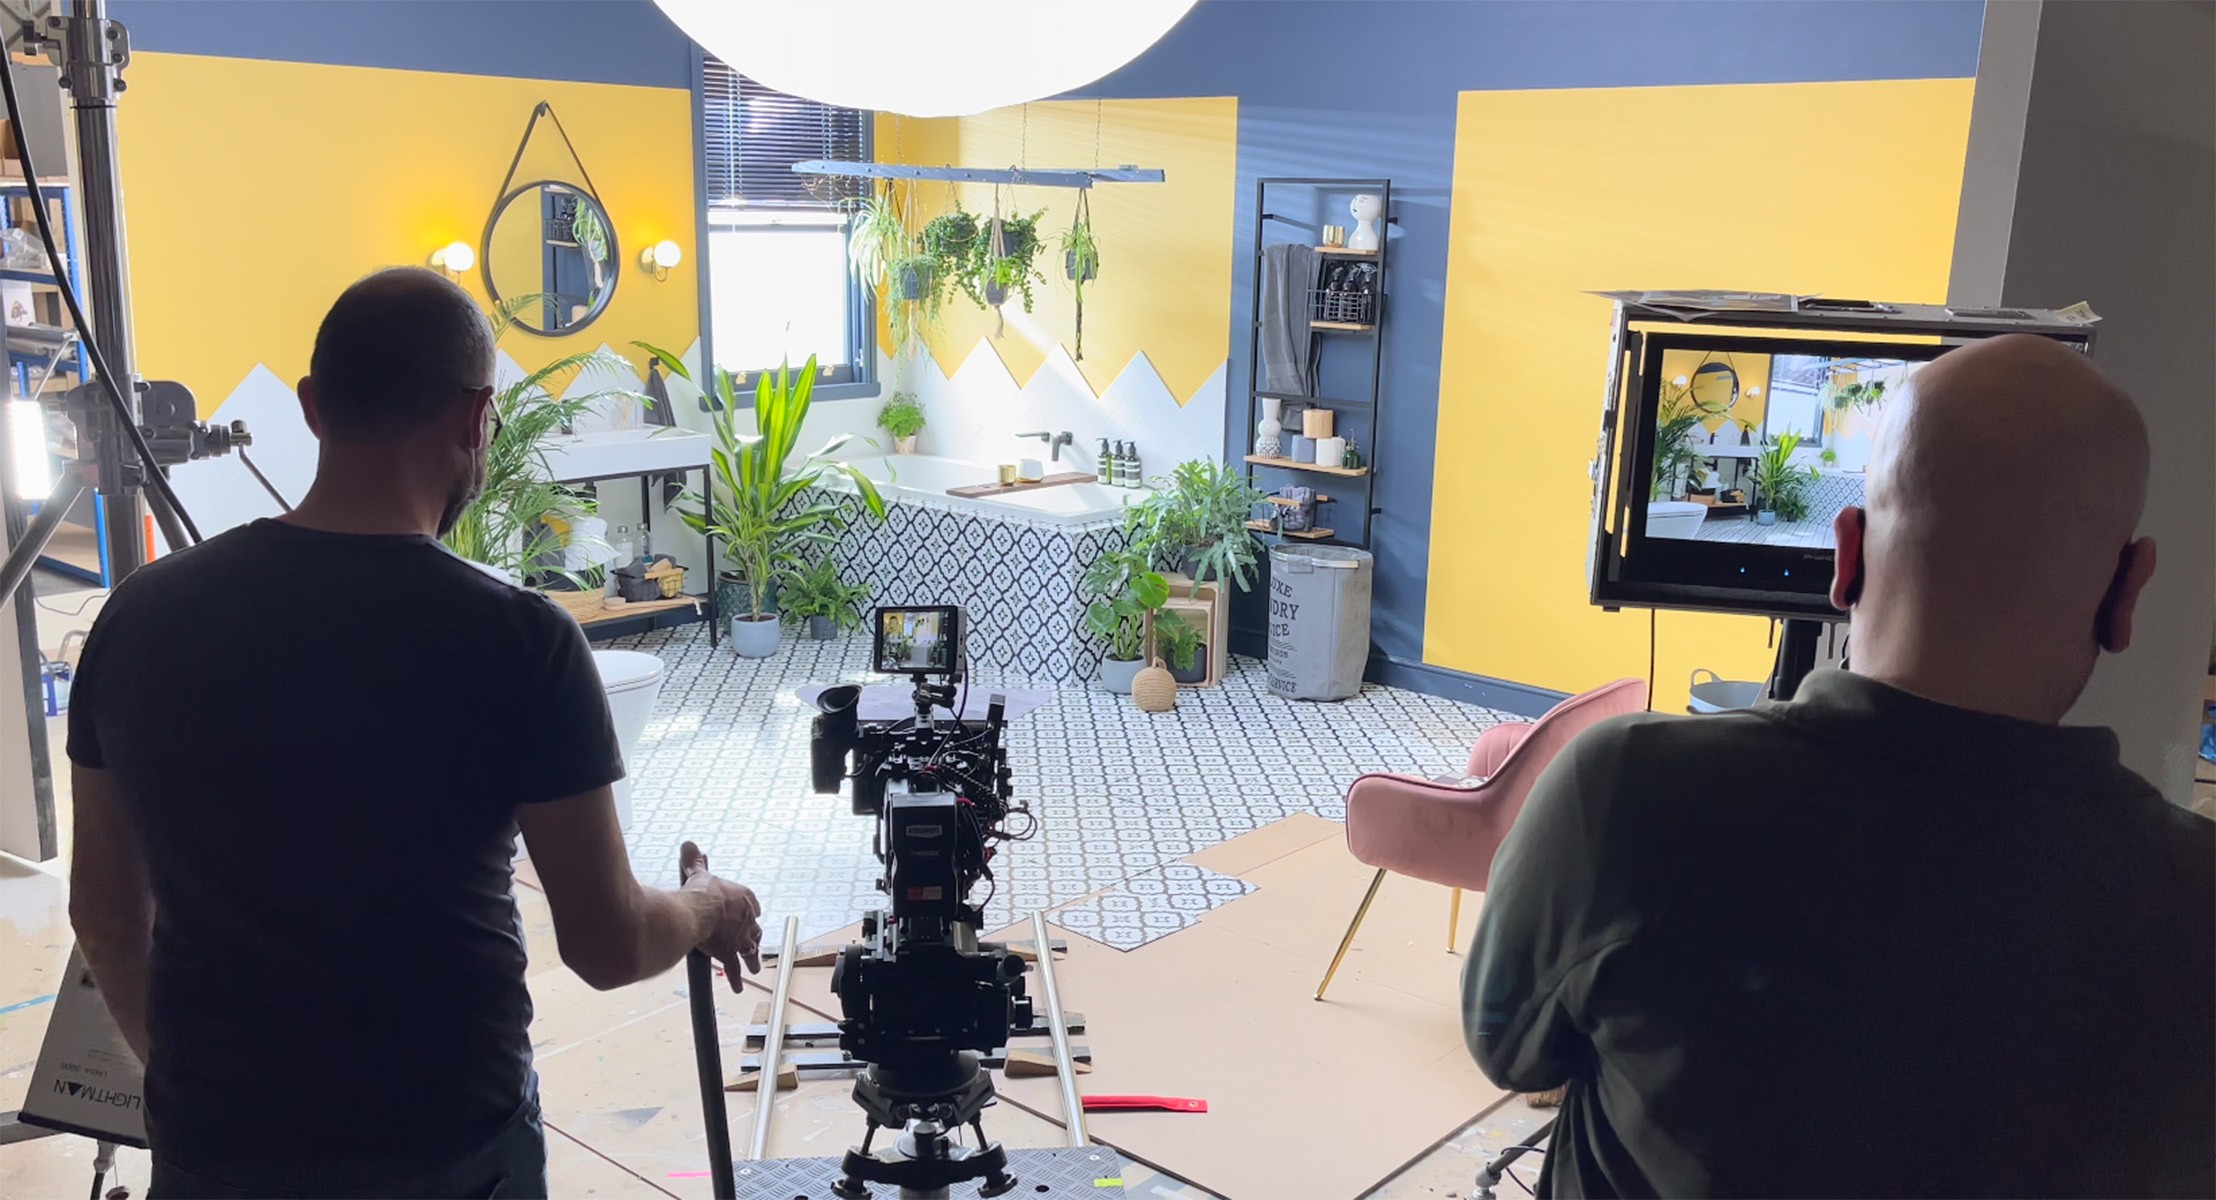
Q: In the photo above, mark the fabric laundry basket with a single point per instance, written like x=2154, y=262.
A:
x=1319, y=621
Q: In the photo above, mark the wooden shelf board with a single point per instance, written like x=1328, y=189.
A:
x=1342, y=326
x=1347, y=252
x=1310, y=535
x=1284, y=502
x=640, y=608
x=1290, y=465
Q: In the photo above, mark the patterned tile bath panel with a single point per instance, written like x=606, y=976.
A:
x=1016, y=579
x=1152, y=906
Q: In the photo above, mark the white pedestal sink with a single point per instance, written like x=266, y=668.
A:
x=604, y=453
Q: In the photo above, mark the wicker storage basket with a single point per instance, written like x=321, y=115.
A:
x=582, y=605
x=670, y=576
x=1154, y=690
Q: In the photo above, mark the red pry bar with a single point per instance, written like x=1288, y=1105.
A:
x=1144, y=1104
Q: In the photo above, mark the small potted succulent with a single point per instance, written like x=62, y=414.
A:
x=902, y=417
x=1125, y=591
x=815, y=594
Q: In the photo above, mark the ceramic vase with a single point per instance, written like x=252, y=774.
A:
x=1365, y=209
x=1269, y=435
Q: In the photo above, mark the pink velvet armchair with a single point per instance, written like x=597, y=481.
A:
x=1445, y=834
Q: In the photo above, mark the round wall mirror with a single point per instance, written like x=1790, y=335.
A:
x=550, y=257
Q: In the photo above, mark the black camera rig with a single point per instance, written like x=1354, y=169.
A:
x=922, y=998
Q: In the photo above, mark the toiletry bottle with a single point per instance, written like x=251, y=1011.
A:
x=1352, y=458
x=1112, y=474
x=1138, y=473
x=1100, y=460
x=1130, y=465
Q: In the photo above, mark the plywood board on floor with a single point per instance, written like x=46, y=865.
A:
x=1267, y=844
x=1223, y=1011
x=1306, y=899
x=1379, y=1075
x=575, y=1169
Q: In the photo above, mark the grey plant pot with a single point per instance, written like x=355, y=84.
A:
x=823, y=629
x=1767, y=516
x=754, y=639
x=732, y=600
x=1116, y=674
x=996, y=294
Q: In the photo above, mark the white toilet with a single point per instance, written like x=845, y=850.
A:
x=633, y=681
x=1675, y=518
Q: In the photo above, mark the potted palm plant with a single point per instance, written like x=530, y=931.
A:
x=1195, y=522
x=1780, y=484
x=902, y=417
x=761, y=503
x=1125, y=591
x=516, y=523
x=817, y=595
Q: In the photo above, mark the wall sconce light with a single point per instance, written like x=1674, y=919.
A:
x=454, y=258
x=660, y=257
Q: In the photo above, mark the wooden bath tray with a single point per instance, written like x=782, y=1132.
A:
x=1000, y=489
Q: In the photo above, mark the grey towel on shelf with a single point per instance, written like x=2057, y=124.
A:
x=1288, y=275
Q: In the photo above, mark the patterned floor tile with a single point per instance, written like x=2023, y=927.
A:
x=1119, y=794
x=1150, y=906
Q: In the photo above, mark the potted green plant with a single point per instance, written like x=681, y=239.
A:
x=1000, y=261
x=1124, y=592
x=878, y=239
x=512, y=523
x=1195, y=522
x=1780, y=484
x=1080, y=263
x=902, y=417
x=759, y=504
x=817, y=595
x=1183, y=643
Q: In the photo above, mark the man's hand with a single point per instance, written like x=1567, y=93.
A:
x=737, y=936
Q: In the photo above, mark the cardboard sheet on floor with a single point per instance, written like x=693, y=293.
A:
x=1365, y=1082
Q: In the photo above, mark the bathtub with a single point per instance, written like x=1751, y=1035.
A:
x=1675, y=519
x=1012, y=561
x=924, y=479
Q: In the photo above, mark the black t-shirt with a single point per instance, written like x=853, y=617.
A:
x=323, y=739
x=1861, y=944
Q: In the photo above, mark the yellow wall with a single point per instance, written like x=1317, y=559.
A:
x=256, y=191
x=1165, y=249
x=1858, y=199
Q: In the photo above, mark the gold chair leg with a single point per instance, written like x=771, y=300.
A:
x=1348, y=940
x=1454, y=921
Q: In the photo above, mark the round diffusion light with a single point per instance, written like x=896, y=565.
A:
x=925, y=58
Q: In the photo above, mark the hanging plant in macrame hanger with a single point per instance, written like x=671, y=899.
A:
x=1080, y=262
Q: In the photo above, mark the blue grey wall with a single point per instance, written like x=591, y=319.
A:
x=586, y=41
x=1369, y=89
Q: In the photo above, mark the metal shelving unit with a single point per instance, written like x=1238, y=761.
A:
x=1352, y=412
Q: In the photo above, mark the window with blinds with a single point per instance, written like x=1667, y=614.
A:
x=755, y=134
x=779, y=287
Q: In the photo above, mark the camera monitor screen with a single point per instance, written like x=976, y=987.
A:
x=1737, y=454
x=919, y=640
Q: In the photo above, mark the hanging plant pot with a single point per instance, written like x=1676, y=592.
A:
x=913, y=281
x=1070, y=268
x=996, y=293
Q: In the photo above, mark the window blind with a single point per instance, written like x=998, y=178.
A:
x=755, y=134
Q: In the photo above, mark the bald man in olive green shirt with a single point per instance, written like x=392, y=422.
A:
x=1908, y=933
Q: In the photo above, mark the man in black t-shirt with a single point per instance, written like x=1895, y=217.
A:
x=303, y=751
x=1907, y=933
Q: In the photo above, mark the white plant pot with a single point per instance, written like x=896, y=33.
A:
x=754, y=639
x=1116, y=674
x=906, y=445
